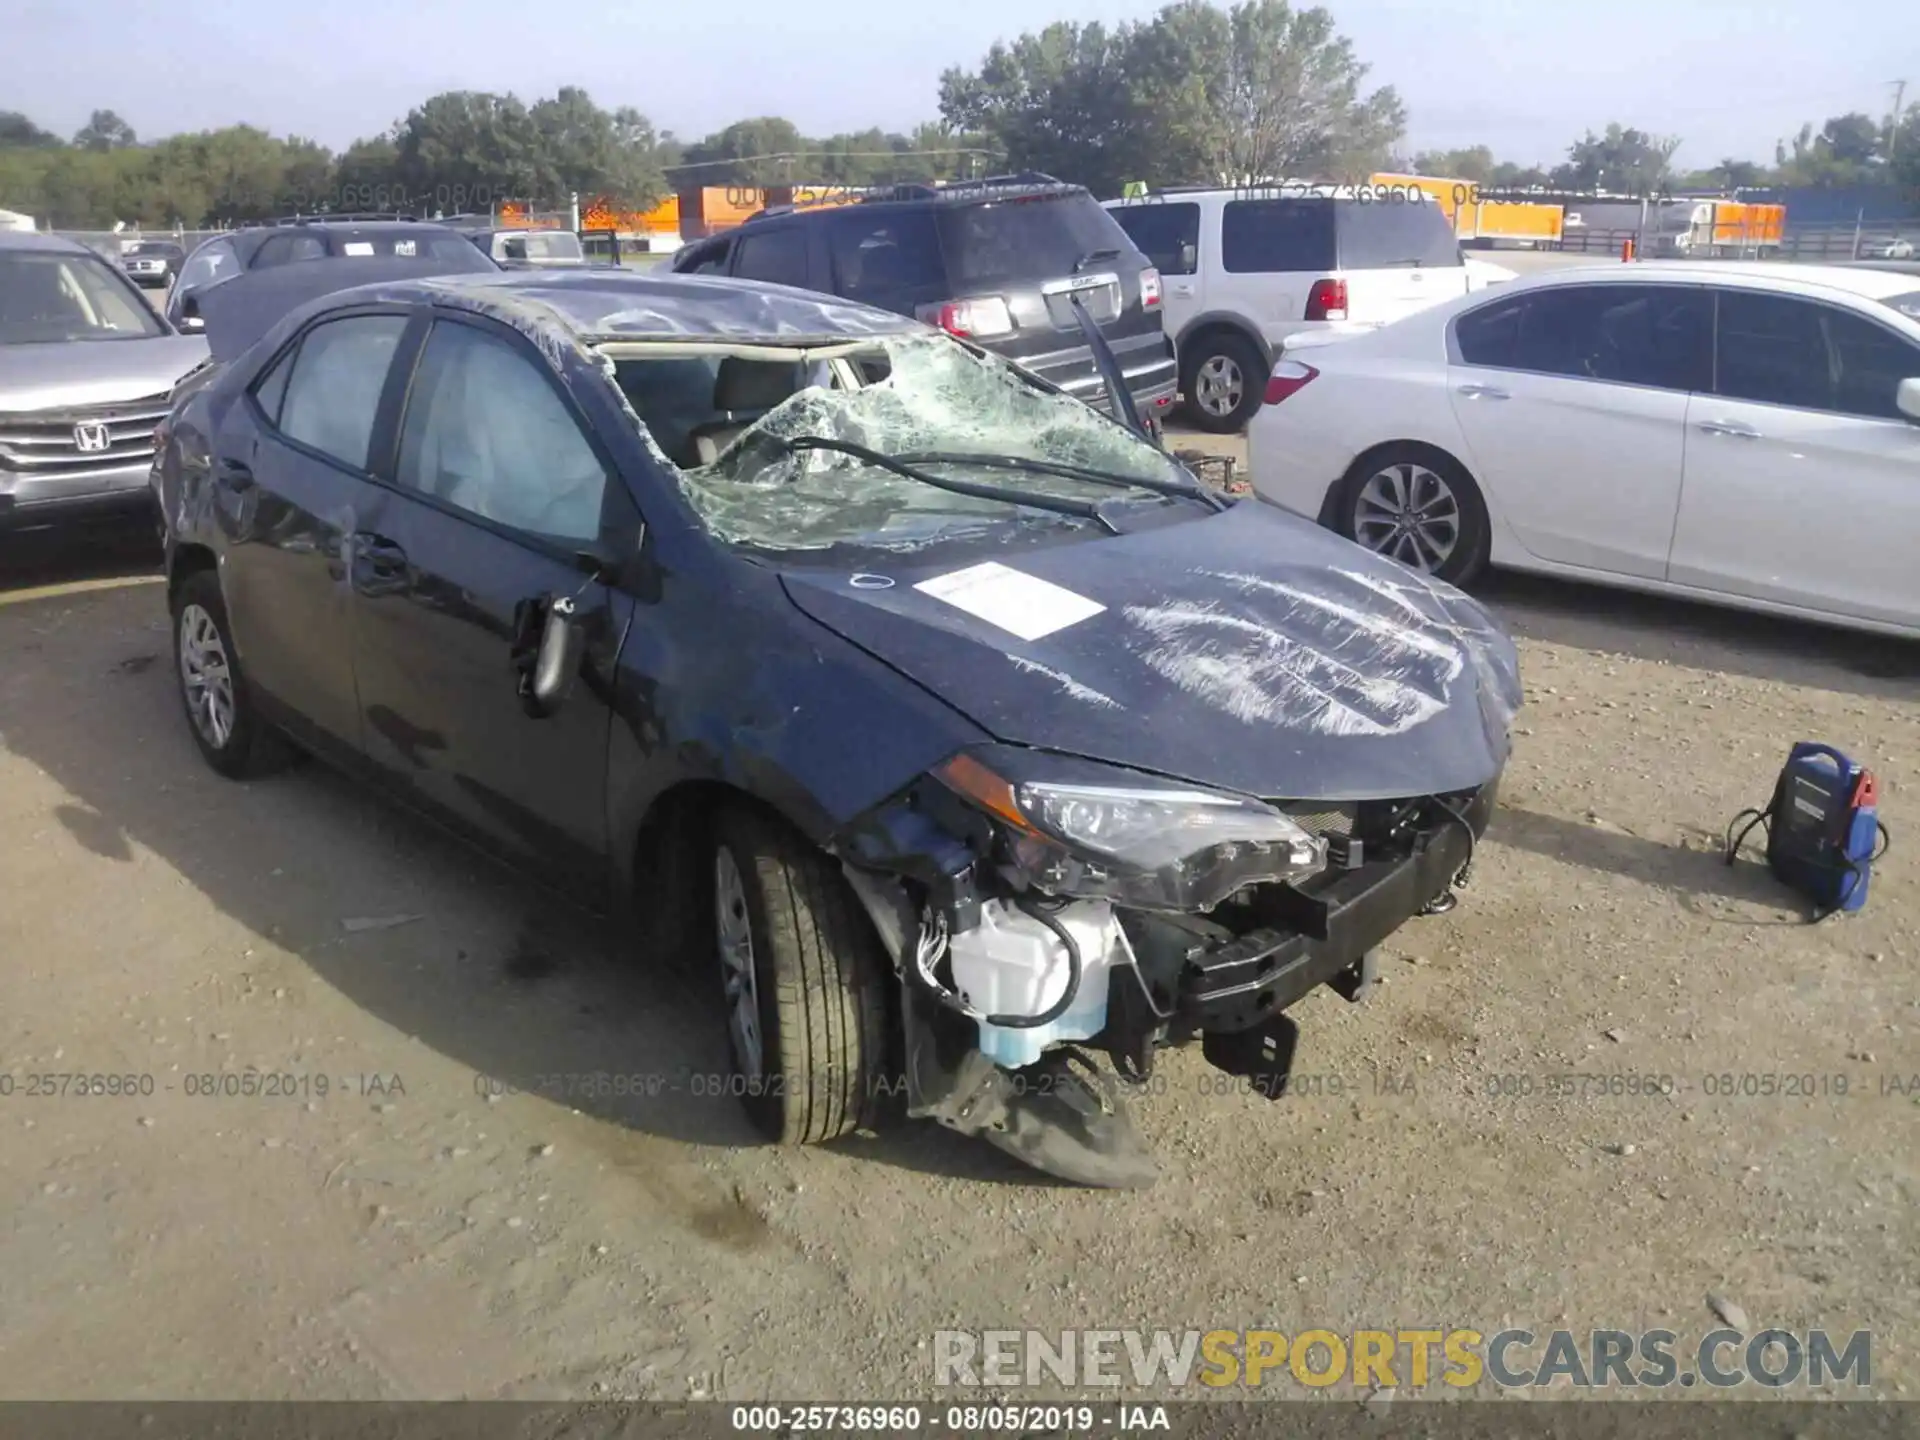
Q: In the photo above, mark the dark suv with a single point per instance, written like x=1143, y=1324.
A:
x=996, y=261
x=314, y=237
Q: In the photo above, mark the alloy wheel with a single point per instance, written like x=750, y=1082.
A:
x=734, y=927
x=1408, y=513
x=206, y=676
x=1219, y=386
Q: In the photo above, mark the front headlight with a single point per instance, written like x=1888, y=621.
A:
x=1073, y=828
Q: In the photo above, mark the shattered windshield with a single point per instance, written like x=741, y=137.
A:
x=754, y=437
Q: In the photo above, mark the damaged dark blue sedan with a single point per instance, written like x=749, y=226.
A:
x=950, y=724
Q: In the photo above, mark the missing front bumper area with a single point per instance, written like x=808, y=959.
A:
x=1225, y=978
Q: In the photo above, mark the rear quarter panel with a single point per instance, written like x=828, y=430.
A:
x=1370, y=391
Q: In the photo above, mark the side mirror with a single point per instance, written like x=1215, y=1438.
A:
x=190, y=318
x=562, y=644
x=1906, y=398
x=1189, y=257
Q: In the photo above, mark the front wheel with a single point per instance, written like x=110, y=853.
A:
x=1418, y=507
x=220, y=710
x=804, y=980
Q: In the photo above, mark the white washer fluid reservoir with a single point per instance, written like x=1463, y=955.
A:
x=1011, y=964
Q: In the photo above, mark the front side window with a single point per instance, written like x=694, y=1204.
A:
x=1167, y=234
x=53, y=296
x=778, y=257
x=333, y=393
x=1781, y=350
x=212, y=261
x=487, y=432
x=712, y=260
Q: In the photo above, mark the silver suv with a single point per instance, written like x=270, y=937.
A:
x=86, y=370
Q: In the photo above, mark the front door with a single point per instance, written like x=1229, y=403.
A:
x=290, y=475
x=1803, y=477
x=1573, y=402
x=498, y=486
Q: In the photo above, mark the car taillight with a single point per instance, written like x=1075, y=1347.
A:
x=1149, y=289
x=1288, y=377
x=975, y=319
x=1327, y=300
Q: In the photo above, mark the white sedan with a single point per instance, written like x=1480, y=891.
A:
x=1746, y=433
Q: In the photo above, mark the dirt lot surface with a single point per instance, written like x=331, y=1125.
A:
x=403, y=1235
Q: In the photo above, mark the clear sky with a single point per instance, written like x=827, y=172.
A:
x=1728, y=76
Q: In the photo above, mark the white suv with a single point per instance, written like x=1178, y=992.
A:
x=1244, y=268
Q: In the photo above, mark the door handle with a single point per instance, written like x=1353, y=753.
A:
x=1723, y=427
x=379, y=565
x=1484, y=392
x=1185, y=292
x=234, y=474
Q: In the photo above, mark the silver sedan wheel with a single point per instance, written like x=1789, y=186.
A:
x=1219, y=386
x=206, y=676
x=742, y=986
x=1410, y=514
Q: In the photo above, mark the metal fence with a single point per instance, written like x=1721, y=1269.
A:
x=1813, y=243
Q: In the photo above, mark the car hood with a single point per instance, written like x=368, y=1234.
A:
x=1252, y=650
x=94, y=372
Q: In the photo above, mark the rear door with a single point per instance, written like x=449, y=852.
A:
x=1802, y=475
x=1397, y=256
x=498, y=481
x=1573, y=401
x=1038, y=254
x=1272, y=250
x=291, y=474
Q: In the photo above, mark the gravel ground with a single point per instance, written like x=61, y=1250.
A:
x=403, y=1236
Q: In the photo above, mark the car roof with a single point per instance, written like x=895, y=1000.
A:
x=582, y=305
x=1864, y=283
x=39, y=240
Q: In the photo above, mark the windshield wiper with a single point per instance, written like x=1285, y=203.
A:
x=1071, y=472
x=1094, y=255
x=1060, y=505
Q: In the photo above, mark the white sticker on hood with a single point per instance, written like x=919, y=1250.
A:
x=357, y=247
x=1018, y=603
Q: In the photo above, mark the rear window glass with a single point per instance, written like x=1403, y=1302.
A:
x=1168, y=235
x=1271, y=236
x=1376, y=236
x=1033, y=238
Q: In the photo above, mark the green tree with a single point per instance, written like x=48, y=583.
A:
x=758, y=151
x=466, y=149
x=1622, y=161
x=595, y=153
x=18, y=132
x=1198, y=92
x=105, y=130
x=1475, y=164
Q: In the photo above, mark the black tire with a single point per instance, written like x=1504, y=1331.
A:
x=820, y=978
x=245, y=747
x=1356, y=510
x=1222, y=358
